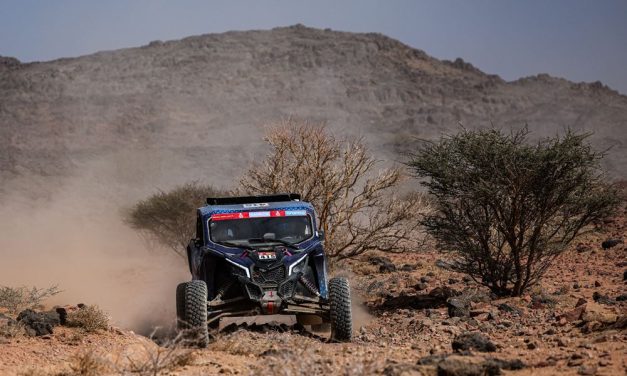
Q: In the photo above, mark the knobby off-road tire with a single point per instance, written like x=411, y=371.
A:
x=181, y=324
x=191, y=306
x=341, y=315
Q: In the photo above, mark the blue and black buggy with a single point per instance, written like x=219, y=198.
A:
x=257, y=256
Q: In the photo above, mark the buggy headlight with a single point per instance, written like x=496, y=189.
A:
x=242, y=267
x=297, y=266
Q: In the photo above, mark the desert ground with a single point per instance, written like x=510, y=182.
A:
x=573, y=323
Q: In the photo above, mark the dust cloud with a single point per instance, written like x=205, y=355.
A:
x=69, y=232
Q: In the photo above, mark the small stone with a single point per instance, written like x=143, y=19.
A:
x=581, y=248
x=604, y=363
x=610, y=243
x=597, y=284
x=408, y=268
x=532, y=346
x=581, y=302
x=595, y=312
x=457, y=307
x=509, y=309
x=420, y=286
x=575, y=285
x=562, y=342
x=468, y=341
x=574, y=362
x=424, y=279
x=587, y=370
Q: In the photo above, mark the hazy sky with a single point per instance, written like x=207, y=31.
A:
x=582, y=40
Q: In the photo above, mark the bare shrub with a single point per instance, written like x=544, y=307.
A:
x=508, y=209
x=354, y=200
x=17, y=299
x=170, y=217
x=89, y=318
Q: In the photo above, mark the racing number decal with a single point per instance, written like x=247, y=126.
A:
x=267, y=256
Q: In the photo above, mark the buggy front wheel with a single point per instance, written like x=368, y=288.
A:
x=192, y=312
x=341, y=314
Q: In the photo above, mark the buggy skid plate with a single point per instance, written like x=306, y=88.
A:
x=272, y=320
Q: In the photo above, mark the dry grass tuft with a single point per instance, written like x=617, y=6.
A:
x=155, y=360
x=89, y=318
x=88, y=364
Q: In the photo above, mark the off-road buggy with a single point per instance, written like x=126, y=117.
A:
x=256, y=256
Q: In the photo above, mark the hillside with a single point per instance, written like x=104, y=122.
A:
x=195, y=107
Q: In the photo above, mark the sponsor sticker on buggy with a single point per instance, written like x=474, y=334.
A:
x=259, y=214
x=267, y=256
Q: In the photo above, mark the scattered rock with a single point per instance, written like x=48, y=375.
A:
x=458, y=307
x=468, y=341
x=466, y=279
x=385, y=264
x=575, y=360
x=602, y=299
x=38, y=323
x=444, y=265
x=509, y=309
x=581, y=248
x=581, y=302
x=595, y=312
x=452, y=281
x=424, y=279
x=64, y=310
x=611, y=243
x=408, y=268
x=388, y=268
x=587, y=370
x=621, y=298
x=443, y=293
x=573, y=315
x=597, y=284
x=420, y=286
x=621, y=323
x=532, y=346
x=457, y=365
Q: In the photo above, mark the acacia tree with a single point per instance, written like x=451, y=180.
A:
x=355, y=205
x=170, y=217
x=507, y=209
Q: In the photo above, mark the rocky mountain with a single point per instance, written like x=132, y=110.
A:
x=196, y=107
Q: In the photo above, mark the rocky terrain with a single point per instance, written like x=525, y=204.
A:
x=196, y=107
x=413, y=316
